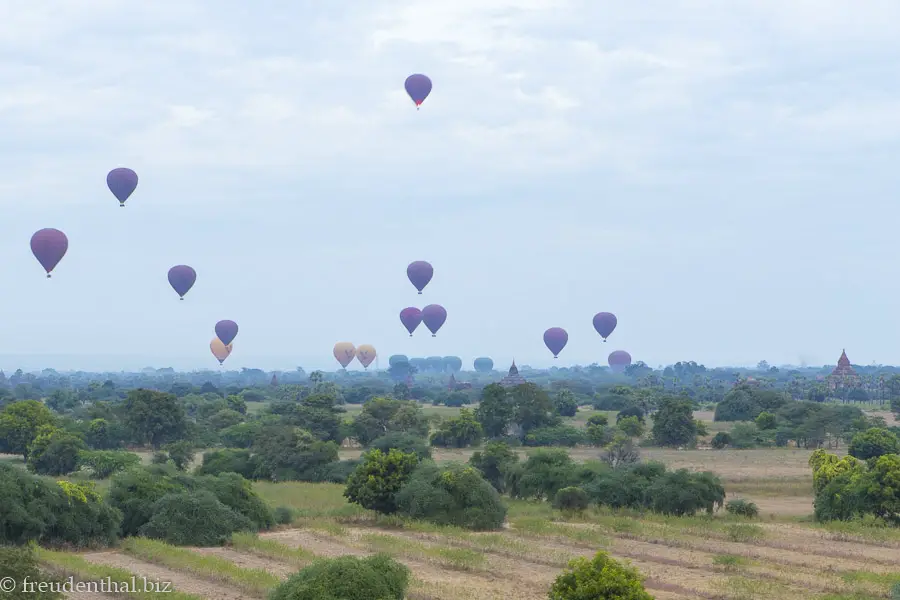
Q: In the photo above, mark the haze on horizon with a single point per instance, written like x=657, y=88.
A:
x=721, y=178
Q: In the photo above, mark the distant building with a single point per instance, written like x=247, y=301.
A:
x=274, y=381
x=843, y=375
x=513, y=379
x=454, y=385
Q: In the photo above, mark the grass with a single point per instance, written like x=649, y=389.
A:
x=310, y=500
x=250, y=543
x=460, y=559
x=82, y=570
x=253, y=581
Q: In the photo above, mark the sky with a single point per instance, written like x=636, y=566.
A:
x=721, y=176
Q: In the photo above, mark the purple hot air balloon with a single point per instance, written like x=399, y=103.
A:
x=434, y=316
x=420, y=273
x=226, y=331
x=122, y=182
x=410, y=317
x=182, y=278
x=618, y=360
x=49, y=246
x=556, y=339
x=418, y=87
x=605, y=324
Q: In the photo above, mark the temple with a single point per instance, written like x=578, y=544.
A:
x=513, y=379
x=843, y=375
x=454, y=385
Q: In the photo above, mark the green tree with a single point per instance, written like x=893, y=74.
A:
x=495, y=411
x=493, y=462
x=565, y=403
x=386, y=415
x=458, y=432
x=621, y=451
x=153, y=417
x=19, y=424
x=673, y=423
x=19, y=564
x=54, y=452
x=375, y=483
x=631, y=427
x=376, y=577
x=873, y=443
x=601, y=578
x=533, y=407
x=766, y=421
x=288, y=453
x=181, y=453
x=404, y=442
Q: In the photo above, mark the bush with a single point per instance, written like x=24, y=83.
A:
x=54, y=452
x=287, y=453
x=376, y=577
x=21, y=564
x=542, y=475
x=336, y=472
x=194, y=518
x=458, y=432
x=452, y=495
x=404, y=442
x=766, y=420
x=683, y=493
x=237, y=493
x=600, y=420
x=873, y=443
x=630, y=411
x=600, y=578
x=375, y=483
x=106, y=463
x=621, y=451
x=742, y=508
x=493, y=462
x=284, y=515
x=571, y=499
x=227, y=460
x=721, y=440
x=558, y=435
x=745, y=435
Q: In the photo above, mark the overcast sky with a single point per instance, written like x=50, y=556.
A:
x=721, y=175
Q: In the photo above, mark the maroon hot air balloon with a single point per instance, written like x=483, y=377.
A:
x=605, y=324
x=411, y=317
x=122, y=182
x=434, y=316
x=419, y=273
x=226, y=331
x=618, y=360
x=182, y=278
x=49, y=246
x=556, y=339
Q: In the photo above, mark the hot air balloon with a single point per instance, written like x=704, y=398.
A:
x=452, y=364
x=122, y=182
x=397, y=359
x=49, y=246
x=182, y=278
x=365, y=354
x=344, y=352
x=419, y=364
x=434, y=316
x=220, y=350
x=483, y=364
x=418, y=87
x=605, y=324
x=420, y=273
x=226, y=331
x=435, y=363
x=618, y=360
x=556, y=339
x=410, y=317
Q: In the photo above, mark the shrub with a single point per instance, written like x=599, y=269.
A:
x=599, y=435
x=721, y=440
x=571, y=499
x=458, y=432
x=288, y=453
x=194, y=518
x=404, y=442
x=106, y=463
x=558, y=435
x=742, y=508
x=682, y=493
x=630, y=411
x=159, y=458
x=336, y=472
x=236, y=493
x=227, y=460
x=745, y=435
x=493, y=462
x=542, y=475
x=375, y=483
x=873, y=443
x=766, y=420
x=21, y=564
x=621, y=451
x=54, y=452
x=284, y=515
x=600, y=420
x=376, y=577
x=600, y=578
x=625, y=488
x=451, y=495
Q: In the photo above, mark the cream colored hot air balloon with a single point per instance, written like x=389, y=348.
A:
x=344, y=352
x=220, y=350
x=365, y=354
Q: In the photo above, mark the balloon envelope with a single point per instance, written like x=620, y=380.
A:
x=419, y=273
x=49, y=246
x=220, y=351
x=605, y=324
x=344, y=352
x=365, y=354
x=122, y=182
x=410, y=317
x=226, y=331
x=618, y=360
x=434, y=316
x=182, y=278
x=418, y=87
x=556, y=339
x=397, y=359
x=452, y=363
x=483, y=364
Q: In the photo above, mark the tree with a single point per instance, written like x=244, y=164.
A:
x=20, y=564
x=766, y=421
x=493, y=462
x=404, y=442
x=873, y=443
x=673, y=423
x=601, y=578
x=458, y=432
x=495, y=411
x=621, y=451
x=181, y=453
x=565, y=403
x=19, y=424
x=154, y=417
x=386, y=415
x=631, y=426
x=291, y=454
x=54, y=452
x=375, y=483
x=377, y=577
x=533, y=407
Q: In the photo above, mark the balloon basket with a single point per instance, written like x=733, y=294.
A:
x=182, y=298
x=48, y=275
